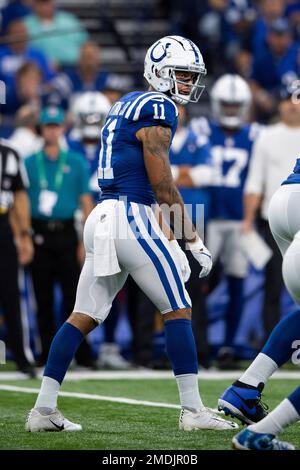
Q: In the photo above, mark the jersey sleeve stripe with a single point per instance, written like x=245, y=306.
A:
x=142, y=103
x=170, y=101
x=136, y=101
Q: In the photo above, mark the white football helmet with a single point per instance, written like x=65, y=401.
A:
x=89, y=113
x=231, y=100
x=173, y=54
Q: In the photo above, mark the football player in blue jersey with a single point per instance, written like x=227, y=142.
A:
x=242, y=400
x=89, y=112
x=231, y=139
x=126, y=233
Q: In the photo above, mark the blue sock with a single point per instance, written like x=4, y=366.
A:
x=295, y=399
x=181, y=347
x=63, y=348
x=234, y=308
x=279, y=345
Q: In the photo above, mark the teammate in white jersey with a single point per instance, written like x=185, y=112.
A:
x=126, y=235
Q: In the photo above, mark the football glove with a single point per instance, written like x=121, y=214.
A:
x=182, y=260
x=202, y=255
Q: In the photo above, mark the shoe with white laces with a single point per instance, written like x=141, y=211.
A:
x=204, y=419
x=40, y=420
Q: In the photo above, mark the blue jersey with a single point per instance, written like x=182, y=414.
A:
x=294, y=178
x=231, y=154
x=121, y=171
x=192, y=151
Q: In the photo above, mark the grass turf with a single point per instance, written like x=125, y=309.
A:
x=118, y=426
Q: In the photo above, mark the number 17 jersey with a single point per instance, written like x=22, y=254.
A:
x=121, y=171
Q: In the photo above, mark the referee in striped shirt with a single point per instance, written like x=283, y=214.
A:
x=15, y=247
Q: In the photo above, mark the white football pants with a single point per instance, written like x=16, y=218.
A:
x=284, y=220
x=224, y=242
x=132, y=240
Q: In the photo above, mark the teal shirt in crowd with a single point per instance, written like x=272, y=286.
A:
x=60, y=40
x=75, y=183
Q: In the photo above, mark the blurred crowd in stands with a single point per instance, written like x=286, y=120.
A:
x=57, y=94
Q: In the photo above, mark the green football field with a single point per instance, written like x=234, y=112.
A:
x=112, y=425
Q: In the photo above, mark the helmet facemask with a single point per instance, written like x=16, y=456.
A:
x=196, y=88
x=231, y=114
x=90, y=124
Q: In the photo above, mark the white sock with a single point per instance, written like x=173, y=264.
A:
x=275, y=422
x=189, y=392
x=47, y=397
x=260, y=370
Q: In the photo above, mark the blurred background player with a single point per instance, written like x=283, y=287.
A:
x=231, y=139
x=274, y=154
x=89, y=113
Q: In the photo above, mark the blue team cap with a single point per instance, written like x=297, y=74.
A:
x=52, y=115
x=287, y=91
x=280, y=26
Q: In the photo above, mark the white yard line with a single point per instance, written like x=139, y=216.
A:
x=146, y=375
x=88, y=396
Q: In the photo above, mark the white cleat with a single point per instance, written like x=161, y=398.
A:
x=53, y=422
x=204, y=419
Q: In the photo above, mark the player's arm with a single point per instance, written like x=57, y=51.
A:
x=21, y=225
x=156, y=142
x=255, y=183
x=252, y=202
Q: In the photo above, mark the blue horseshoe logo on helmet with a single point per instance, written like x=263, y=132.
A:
x=158, y=59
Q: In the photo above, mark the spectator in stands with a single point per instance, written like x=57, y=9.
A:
x=15, y=9
x=273, y=159
x=16, y=53
x=87, y=76
x=14, y=213
x=293, y=15
x=115, y=86
x=269, y=11
x=58, y=33
x=58, y=186
x=25, y=138
x=274, y=65
x=28, y=86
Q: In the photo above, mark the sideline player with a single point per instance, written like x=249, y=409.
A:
x=231, y=138
x=124, y=236
x=243, y=399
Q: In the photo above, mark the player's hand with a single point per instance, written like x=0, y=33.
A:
x=182, y=260
x=202, y=255
x=25, y=250
x=246, y=227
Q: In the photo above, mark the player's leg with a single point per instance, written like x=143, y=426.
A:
x=235, y=267
x=261, y=436
x=93, y=302
x=151, y=263
x=243, y=398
